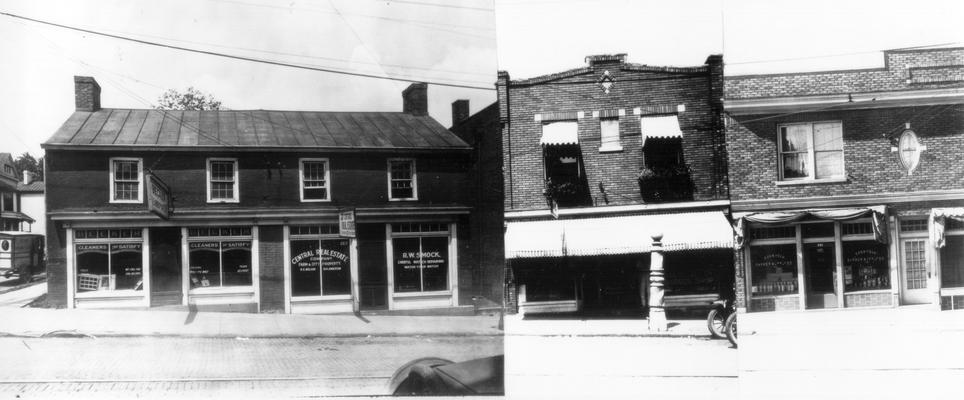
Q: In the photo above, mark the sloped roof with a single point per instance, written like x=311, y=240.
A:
x=32, y=187
x=252, y=129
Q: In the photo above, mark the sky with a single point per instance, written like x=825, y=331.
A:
x=431, y=40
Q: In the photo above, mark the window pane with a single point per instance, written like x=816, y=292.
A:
x=829, y=164
x=435, y=260
x=336, y=267
x=796, y=165
x=305, y=276
x=222, y=190
x=865, y=265
x=795, y=138
x=204, y=260
x=406, y=259
x=774, y=269
x=401, y=170
x=314, y=170
x=952, y=262
x=609, y=132
x=125, y=190
x=92, y=267
x=315, y=193
x=827, y=136
x=126, y=265
x=236, y=263
x=222, y=170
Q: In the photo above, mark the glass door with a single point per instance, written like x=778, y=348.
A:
x=915, y=271
x=821, y=274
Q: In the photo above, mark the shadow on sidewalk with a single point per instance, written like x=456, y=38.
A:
x=191, y=314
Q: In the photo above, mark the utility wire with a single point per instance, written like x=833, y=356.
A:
x=243, y=58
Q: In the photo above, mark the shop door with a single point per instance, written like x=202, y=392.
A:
x=915, y=272
x=821, y=273
x=165, y=266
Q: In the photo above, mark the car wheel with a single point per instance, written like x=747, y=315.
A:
x=731, y=329
x=716, y=323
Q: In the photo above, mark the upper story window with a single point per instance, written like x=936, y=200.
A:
x=126, y=180
x=7, y=169
x=8, y=202
x=909, y=149
x=402, y=183
x=811, y=151
x=315, y=179
x=609, y=134
x=222, y=179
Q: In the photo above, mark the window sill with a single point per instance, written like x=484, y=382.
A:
x=811, y=181
x=610, y=149
x=867, y=291
x=94, y=294
x=439, y=293
x=219, y=201
x=126, y=201
x=316, y=201
x=410, y=199
x=309, y=299
x=223, y=290
x=773, y=296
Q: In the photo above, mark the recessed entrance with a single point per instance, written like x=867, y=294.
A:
x=821, y=273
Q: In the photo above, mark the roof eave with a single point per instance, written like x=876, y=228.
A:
x=248, y=149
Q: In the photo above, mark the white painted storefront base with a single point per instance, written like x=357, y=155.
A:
x=321, y=305
x=117, y=299
x=415, y=301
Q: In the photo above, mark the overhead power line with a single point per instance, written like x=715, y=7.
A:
x=242, y=58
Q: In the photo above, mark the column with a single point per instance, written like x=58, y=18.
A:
x=657, y=315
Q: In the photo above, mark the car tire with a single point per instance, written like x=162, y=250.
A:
x=731, y=329
x=716, y=323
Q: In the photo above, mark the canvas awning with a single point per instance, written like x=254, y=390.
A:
x=664, y=126
x=560, y=132
x=939, y=217
x=832, y=214
x=617, y=235
x=16, y=215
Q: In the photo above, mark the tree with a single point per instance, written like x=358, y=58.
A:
x=26, y=162
x=190, y=99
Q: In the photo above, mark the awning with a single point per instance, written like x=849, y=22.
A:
x=666, y=126
x=16, y=215
x=832, y=214
x=560, y=132
x=939, y=217
x=617, y=235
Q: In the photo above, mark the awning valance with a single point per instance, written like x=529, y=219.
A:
x=665, y=126
x=560, y=132
x=835, y=214
x=16, y=215
x=617, y=235
x=938, y=217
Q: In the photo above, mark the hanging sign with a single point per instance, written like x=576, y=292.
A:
x=158, y=197
x=346, y=223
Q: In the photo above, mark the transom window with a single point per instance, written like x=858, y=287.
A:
x=401, y=179
x=222, y=180
x=315, y=179
x=125, y=180
x=811, y=151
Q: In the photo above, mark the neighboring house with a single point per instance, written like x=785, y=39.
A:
x=850, y=189
x=32, y=202
x=597, y=161
x=256, y=201
x=13, y=216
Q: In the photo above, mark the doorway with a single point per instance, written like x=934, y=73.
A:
x=165, y=266
x=821, y=274
x=915, y=271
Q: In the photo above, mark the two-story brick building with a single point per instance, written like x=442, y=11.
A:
x=253, y=210
x=598, y=160
x=848, y=186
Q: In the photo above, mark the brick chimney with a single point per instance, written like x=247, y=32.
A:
x=415, y=99
x=460, y=111
x=86, y=93
x=715, y=64
x=28, y=177
x=601, y=60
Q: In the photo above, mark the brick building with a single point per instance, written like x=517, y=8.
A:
x=851, y=184
x=253, y=210
x=599, y=159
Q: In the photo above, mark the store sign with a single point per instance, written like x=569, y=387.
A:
x=158, y=197
x=346, y=223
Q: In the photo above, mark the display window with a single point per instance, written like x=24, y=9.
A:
x=109, y=260
x=319, y=265
x=865, y=265
x=421, y=258
x=952, y=262
x=774, y=269
x=219, y=261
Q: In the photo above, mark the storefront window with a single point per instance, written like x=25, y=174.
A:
x=108, y=265
x=774, y=269
x=320, y=267
x=421, y=263
x=952, y=262
x=550, y=288
x=865, y=265
x=217, y=261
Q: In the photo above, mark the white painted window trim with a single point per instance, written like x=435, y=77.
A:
x=145, y=291
x=353, y=280
x=237, y=182
x=414, y=179
x=140, y=180
x=811, y=154
x=453, y=275
x=301, y=179
x=255, y=270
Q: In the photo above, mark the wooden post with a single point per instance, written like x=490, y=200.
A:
x=657, y=315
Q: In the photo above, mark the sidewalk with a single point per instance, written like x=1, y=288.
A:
x=34, y=322
x=516, y=325
x=853, y=321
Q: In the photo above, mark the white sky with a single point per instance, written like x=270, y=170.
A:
x=451, y=43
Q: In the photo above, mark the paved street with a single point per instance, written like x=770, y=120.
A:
x=14, y=294
x=619, y=367
x=261, y=368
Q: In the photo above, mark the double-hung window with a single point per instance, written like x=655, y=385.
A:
x=811, y=151
x=402, y=179
x=315, y=179
x=222, y=174
x=126, y=180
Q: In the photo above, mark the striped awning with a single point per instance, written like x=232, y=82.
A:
x=665, y=126
x=617, y=235
x=560, y=132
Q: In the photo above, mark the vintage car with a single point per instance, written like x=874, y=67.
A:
x=21, y=254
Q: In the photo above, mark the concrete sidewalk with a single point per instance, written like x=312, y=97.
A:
x=35, y=322
x=853, y=321
x=516, y=325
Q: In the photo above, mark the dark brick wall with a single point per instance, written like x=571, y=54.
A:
x=635, y=86
x=903, y=70
x=56, y=242
x=871, y=166
x=271, y=243
x=868, y=299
